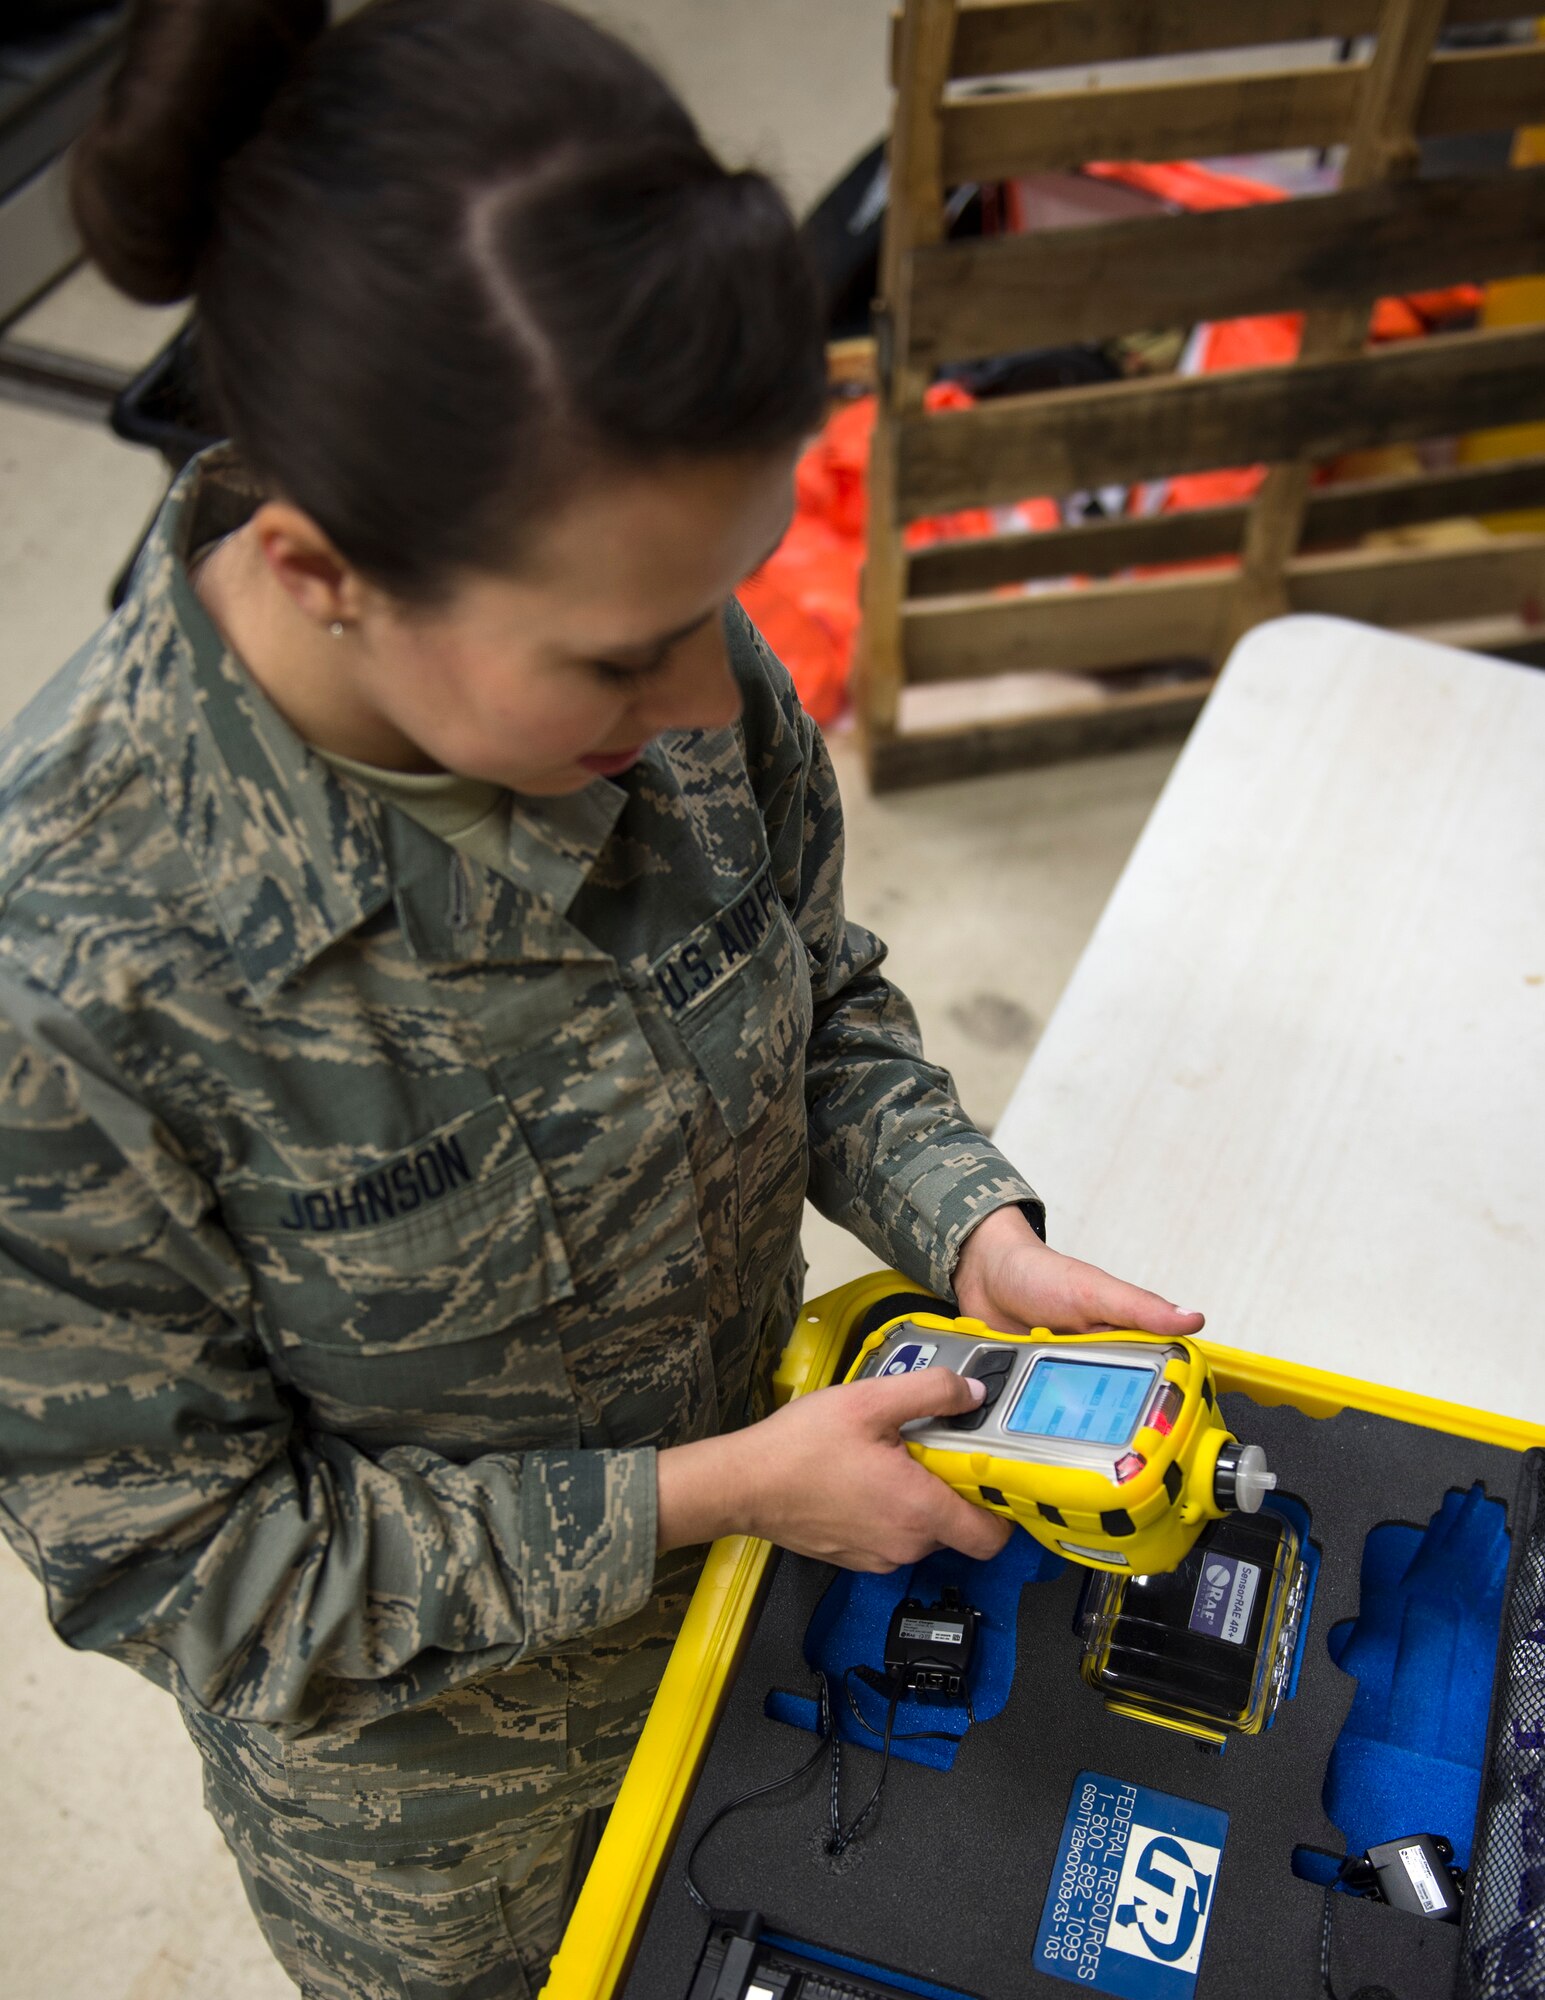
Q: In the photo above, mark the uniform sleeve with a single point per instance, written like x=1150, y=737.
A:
x=894, y=1158
x=156, y=1478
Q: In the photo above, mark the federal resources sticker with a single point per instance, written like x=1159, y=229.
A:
x=1132, y=1891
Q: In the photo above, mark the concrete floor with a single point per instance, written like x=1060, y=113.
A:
x=113, y=1884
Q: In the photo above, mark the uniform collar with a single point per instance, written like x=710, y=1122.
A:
x=291, y=854
x=554, y=845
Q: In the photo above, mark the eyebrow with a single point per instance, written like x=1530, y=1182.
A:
x=650, y=652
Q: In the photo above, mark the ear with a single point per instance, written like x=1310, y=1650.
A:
x=306, y=565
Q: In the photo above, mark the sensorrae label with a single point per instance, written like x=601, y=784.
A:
x=1225, y=1594
x=1132, y=1892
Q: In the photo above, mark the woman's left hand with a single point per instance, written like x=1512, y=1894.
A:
x=1008, y=1278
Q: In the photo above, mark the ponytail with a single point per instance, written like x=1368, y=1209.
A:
x=195, y=80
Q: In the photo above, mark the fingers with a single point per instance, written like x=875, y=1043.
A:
x=1113, y=1303
x=926, y=1515
x=1036, y=1286
x=972, y=1531
x=1092, y=1301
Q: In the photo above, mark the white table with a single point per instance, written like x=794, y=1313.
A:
x=1298, y=1078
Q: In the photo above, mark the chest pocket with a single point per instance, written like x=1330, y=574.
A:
x=738, y=993
x=406, y=1296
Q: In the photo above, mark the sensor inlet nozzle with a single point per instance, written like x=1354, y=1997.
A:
x=1242, y=1479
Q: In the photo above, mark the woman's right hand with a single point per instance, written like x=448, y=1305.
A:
x=830, y=1476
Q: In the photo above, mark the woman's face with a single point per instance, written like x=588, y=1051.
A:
x=611, y=635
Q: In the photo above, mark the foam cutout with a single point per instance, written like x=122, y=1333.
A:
x=1421, y=1649
x=849, y=1626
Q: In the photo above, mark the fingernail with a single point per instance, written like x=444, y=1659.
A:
x=1190, y=1312
x=978, y=1388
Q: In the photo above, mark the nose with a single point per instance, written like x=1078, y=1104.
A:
x=698, y=689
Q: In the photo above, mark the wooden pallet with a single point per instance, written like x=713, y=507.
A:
x=941, y=614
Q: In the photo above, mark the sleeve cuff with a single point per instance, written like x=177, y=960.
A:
x=952, y=1187
x=588, y=1529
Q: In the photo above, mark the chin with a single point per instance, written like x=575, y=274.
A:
x=550, y=784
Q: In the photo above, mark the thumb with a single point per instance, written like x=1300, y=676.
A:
x=926, y=1392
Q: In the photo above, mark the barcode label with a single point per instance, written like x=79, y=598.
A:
x=1423, y=1881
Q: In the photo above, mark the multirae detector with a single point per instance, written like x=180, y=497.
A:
x=1109, y=1448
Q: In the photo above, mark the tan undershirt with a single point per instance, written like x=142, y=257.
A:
x=468, y=814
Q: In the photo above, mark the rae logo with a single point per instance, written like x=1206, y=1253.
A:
x=915, y=1354
x=1217, y=1578
x=1164, y=1897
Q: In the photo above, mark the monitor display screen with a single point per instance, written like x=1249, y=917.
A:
x=1091, y=1402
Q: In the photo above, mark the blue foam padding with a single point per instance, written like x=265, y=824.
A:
x=1422, y=1649
x=849, y=1626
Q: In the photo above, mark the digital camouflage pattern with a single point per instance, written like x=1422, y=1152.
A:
x=368, y=1219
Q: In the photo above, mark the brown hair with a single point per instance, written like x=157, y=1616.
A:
x=447, y=258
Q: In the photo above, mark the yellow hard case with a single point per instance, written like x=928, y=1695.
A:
x=592, y=1961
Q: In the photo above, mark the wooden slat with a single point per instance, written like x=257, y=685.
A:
x=1097, y=549
x=914, y=218
x=995, y=138
x=1364, y=506
x=995, y=39
x=999, y=293
x=1023, y=132
x=914, y=215
x=1106, y=625
x=1504, y=575
x=1483, y=90
x=1085, y=438
x=1055, y=34
x=1503, y=638
x=1084, y=729
x=1335, y=514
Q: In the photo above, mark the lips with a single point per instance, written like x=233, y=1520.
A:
x=610, y=763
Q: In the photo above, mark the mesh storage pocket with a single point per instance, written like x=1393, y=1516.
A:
x=1503, y=1956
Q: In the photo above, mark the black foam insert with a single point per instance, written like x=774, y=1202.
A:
x=947, y=1883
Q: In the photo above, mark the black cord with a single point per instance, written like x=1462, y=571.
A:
x=738, y=1919
x=842, y=1837
x=1326, y=1921
x=747, y=1923
x=1363, y=1992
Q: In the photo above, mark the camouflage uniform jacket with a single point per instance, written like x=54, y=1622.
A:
x=367, y=1217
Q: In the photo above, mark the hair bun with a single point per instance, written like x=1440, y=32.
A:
x=194, y=83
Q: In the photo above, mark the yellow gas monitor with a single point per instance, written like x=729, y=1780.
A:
x=1107, y=1447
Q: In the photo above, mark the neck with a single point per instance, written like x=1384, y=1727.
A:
x=310, y=676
